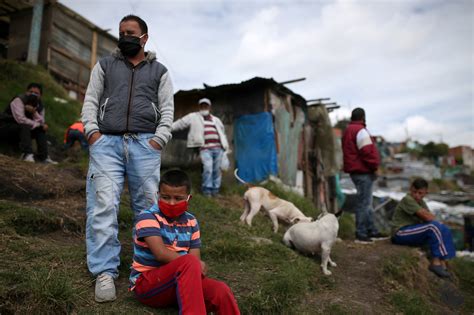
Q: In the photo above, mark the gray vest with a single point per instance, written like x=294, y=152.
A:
x=129, y=102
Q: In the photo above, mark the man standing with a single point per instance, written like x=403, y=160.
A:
x=127, y=115
x=207, y=133
x=25, y=117
x=361, y=161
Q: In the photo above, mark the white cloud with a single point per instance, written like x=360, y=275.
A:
x=396, y=59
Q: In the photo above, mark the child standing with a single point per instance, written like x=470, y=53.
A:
x=415, y=225
x=167, y=268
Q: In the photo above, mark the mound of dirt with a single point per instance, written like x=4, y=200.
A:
x=32, y=181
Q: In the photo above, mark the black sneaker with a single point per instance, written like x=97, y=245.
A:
x=379, y=237
x=363, y=240
x=439, y=271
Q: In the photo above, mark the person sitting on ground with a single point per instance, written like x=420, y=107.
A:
x=167, y=268
x=413, y=224
x=74, y=133
x=25, y=117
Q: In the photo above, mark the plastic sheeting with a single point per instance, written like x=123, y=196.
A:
x=254, y=147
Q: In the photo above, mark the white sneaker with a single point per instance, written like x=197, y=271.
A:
x=104, y=288
x=28, y=157
x=49, y=161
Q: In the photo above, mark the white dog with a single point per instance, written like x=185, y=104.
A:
x=309, y=238
x=276, y=208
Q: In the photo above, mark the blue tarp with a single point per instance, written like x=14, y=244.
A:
x=254, y=147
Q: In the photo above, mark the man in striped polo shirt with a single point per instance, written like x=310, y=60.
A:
x=167, y=268
x=207, y=133
x=413, y=224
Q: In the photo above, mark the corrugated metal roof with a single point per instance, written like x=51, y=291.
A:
x=252, y=83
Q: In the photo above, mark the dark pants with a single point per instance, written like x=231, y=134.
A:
x=74, y=135
x=25, y=135
x=364, y=213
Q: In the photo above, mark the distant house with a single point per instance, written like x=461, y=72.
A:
x=463, y=155
x=69, y=45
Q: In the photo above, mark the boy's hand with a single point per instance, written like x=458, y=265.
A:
x=45, y=127
x=203, y=268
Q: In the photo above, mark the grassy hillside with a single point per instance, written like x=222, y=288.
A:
x=15, y=77
x=44, y=267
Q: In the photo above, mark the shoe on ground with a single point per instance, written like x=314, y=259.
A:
x=104, y=288
x=28, y=157
x=363, y=240
x=379, y=236
x=49, y=161
x=439, y=271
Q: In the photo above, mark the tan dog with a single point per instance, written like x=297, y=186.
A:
x=276, y=208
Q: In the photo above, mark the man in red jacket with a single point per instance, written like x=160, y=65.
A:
x=361, y=161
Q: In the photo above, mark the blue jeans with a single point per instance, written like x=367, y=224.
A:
x=112, y=157
x=364, y=213
x=435, y=234
x=211, y=170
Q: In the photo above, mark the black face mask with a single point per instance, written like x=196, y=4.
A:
x=129, y=45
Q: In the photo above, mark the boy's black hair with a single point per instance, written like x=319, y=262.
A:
x=176, y=178
x=141, y=23
x=31, y=100
x=35, y=85
x=419, y=183
x=358, y=114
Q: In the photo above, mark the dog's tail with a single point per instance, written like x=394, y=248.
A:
x=241, y=180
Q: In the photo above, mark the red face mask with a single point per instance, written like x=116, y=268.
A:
x=173, y=211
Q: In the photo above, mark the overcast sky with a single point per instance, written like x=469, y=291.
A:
x=409, y=64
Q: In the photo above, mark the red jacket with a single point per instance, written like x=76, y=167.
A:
x=360, y=153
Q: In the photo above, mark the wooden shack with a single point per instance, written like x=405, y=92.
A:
x=70, y=45
x=232, y=103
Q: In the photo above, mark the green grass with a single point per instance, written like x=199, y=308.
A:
x=464, y=270
x=400, y=267
x=15, y=77
x=410, y=303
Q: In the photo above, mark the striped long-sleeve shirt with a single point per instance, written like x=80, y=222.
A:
x=211, y=136
x=179, y=235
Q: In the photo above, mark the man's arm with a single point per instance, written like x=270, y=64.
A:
x=182, y=123
x=368, y=151
x=166, y=108
x=91, y=101
x=425, y=215
x=159, y=250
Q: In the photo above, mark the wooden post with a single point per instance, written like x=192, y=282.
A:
x=94, y=49
x=35, y=32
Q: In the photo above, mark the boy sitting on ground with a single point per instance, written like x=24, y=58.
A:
x=415, y=225
x=167, y=268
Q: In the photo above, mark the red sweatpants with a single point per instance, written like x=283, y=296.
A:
x=181, y=282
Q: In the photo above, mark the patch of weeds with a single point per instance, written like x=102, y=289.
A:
x=410, y=303
x=44, y=291
x=326, y=283
x=337, y=309
x=28, y=221
x=125, y=216
x=227, y=249
x=346, y=226
x=464, y=270
x=399, y=267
